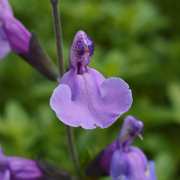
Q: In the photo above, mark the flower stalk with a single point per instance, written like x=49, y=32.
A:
x=72, y=149
x=58, y=37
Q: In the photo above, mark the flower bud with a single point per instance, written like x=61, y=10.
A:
x=18, y=168
x=13, y=35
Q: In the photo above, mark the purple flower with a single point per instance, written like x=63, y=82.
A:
x=13, y=35
x=84, y=97
x=15, y=168
x=125, y=162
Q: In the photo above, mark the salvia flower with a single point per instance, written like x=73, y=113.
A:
x=128, y=162
x=122, y=161
x=13, y=35
x=84, y=97
x=15, y=168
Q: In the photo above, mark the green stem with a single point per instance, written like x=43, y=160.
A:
x=72, y=149
x=58, y=36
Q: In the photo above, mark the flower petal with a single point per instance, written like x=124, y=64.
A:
x=131, y=164
x=116, y=92
x=119, y=165
x=5, y=9
x=89, y=100
x=4, y=44
x=106, y=157
x=23, y=169
x=122, y=177
x=150, y=172
x=5, y=175
x=138, y=163
x=18, y=36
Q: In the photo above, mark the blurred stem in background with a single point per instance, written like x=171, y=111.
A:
x=58, y=37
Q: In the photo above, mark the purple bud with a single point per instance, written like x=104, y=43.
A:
x=17, y=35
x=15, y=168
x=13, y=35
x=81, y=52
x=23, y=169
x=5, y=9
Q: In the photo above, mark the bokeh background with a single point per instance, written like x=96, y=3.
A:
x=137, y=40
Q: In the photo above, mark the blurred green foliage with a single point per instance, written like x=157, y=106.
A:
x=137, y=40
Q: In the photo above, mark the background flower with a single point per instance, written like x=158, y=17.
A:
x=129, y=162
x=120, y=160
x=12, y=31
x=15, y=168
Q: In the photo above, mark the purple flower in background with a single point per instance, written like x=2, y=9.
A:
x=84, y=97
x=15, y=168
x=125, y=162
x=13, y=35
